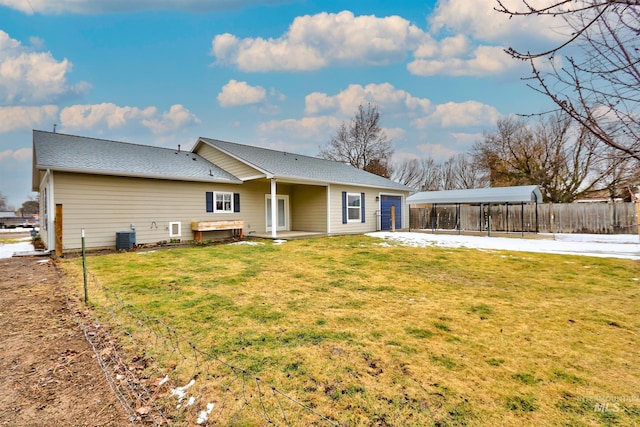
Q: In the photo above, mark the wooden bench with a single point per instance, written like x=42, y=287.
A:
x=199, y=226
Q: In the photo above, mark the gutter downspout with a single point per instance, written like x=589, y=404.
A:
x=47, y=182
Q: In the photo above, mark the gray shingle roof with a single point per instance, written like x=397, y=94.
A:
x=279, y=164
x=517, y=194
x=58, y=151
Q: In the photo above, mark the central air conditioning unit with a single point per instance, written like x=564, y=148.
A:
x=125, y=240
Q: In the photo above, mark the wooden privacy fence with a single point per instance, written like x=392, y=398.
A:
x=593, y=218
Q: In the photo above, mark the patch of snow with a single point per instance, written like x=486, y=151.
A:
x=191, y=401
x=8, y=250
x=181, y=392
x=246, y=242
x=164, y=380
x=204, y=415
x=279, y=241
x=609, y=246
x=18, y=230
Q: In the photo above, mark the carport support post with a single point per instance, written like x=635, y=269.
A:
x=489, y=219
x=434, y=218
x=84, y=270
x=522, y=218
x=507, y=225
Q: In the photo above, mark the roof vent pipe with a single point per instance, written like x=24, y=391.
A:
x=178, y=148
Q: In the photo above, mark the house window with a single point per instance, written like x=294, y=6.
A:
x=223, y=202
x=354, y=202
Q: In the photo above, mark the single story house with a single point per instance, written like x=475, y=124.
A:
x=111, y=188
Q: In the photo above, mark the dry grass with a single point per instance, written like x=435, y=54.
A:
x=374, y=335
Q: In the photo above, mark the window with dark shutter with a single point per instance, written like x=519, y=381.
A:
x=236, y=202
x=344, y=207
x=209, y=197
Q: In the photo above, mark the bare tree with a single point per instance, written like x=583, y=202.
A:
x=461, y=172
x=458, y=172
x=421, y=174
x=565, y=161
x=31, y=206
x=3, y=203
x=600, y=89
x=361, y=142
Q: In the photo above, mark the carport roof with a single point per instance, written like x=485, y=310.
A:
x=518, y=194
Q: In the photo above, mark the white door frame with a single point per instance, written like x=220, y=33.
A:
x=284, y=227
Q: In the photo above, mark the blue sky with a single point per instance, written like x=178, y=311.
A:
x=274, y=73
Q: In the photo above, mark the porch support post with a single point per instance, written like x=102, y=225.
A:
x=274, y=209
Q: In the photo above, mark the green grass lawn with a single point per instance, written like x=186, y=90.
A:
x=367, y=334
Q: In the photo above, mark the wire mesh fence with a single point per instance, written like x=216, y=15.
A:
x=162, y=378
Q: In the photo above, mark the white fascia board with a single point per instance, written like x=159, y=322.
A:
x=268, y=174
x=135, y=175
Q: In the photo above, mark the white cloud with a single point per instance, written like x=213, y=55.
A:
x=385, y=95
x=111, y=116
x=316, y=41
x=19, y=155
x=438, y=152
x=16, y=118
x=237, y=93
x=465, y=139
x=463, y=114
x=484, y=60
x=28, y=77
x=308, y=128
x=90, y=116
x=479, y=19
x=175, y=119
x=113, y=6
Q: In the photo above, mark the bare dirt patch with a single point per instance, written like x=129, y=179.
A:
x=50, y=376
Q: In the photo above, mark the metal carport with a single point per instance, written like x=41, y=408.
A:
x=481, y=196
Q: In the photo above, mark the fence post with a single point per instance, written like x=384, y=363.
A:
x=84, y=270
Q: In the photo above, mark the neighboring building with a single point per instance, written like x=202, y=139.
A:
x=106, y=187
x=7, y=219
x=11, y=220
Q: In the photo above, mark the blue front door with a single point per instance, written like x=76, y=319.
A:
x=385, y=211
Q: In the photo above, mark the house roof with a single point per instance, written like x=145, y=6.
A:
x=71, y=153
x=296, y=167
x=518, y=194
x=7, y=214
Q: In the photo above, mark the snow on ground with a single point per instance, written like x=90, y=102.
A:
x=599, y=245
x=7, y=251
x=22, y=243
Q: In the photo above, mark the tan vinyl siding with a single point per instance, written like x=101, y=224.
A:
x=309, y=208
x=228, y=163
x=337, y=227
x=372, y=207
x=104, y=205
